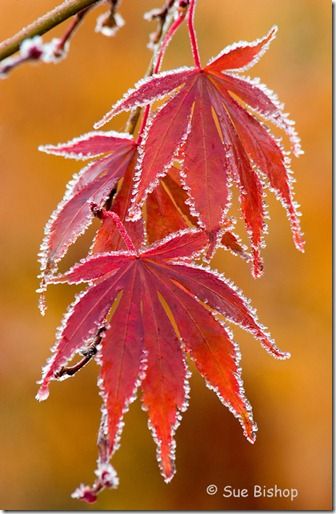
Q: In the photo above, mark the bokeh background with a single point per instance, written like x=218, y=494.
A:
x=47, y=449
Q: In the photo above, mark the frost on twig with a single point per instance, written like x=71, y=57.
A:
x=160, y=15
x=111, y=21
x=34, y=49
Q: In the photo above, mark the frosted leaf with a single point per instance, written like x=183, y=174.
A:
x=243, y=54
x=74, y=213
x=212, y=287
x=156, y=154
x=90, y=145
x=147, y=90
x=165, y=307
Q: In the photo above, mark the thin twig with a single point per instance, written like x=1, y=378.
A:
x=166, y=37
x=37, y=52
x=72, y=28
x=87, y=356
x=10, y=64
x=161, y=38
x=156, y=38
x=160, y=15
x=43, y=24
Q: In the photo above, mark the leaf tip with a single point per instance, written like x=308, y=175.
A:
x=252, y=438
x=258, y=265
x=169, y=478
x=299, y=243
x=96, y=126
x=42, y=393
x=273, y=30
x=100, y=123
x=43, y=148
x=285, y=355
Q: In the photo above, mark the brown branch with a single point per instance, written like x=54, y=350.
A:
x=43, y=24
x=36, y=52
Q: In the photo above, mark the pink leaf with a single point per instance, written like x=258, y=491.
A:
x=162, y=142
x=243, y=54
x=80, y=326
x=205, y=164
x=154, y=298
x=215, y=354
x=147, y=90
x=185, y=243
x=164, y=388
x=74, y=213
x=186, y=127
x=108, y=237
x=122, y=358
x=90, y=145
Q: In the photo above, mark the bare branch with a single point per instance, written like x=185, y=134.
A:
x=37, y=51
x=43, y=24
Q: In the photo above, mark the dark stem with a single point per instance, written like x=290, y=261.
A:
x=43, y=24
x=108, y=203
x=87, y=356
x=160, y=15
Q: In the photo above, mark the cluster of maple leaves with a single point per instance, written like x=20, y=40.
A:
x=164, y=204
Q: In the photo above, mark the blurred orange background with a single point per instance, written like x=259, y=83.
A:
x=48, y=449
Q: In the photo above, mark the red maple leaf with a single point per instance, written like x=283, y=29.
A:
x=220, y=140
x=117, y=154
x=108, y=237
x=166, y=212
x=163, y=308
x=93, y=184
